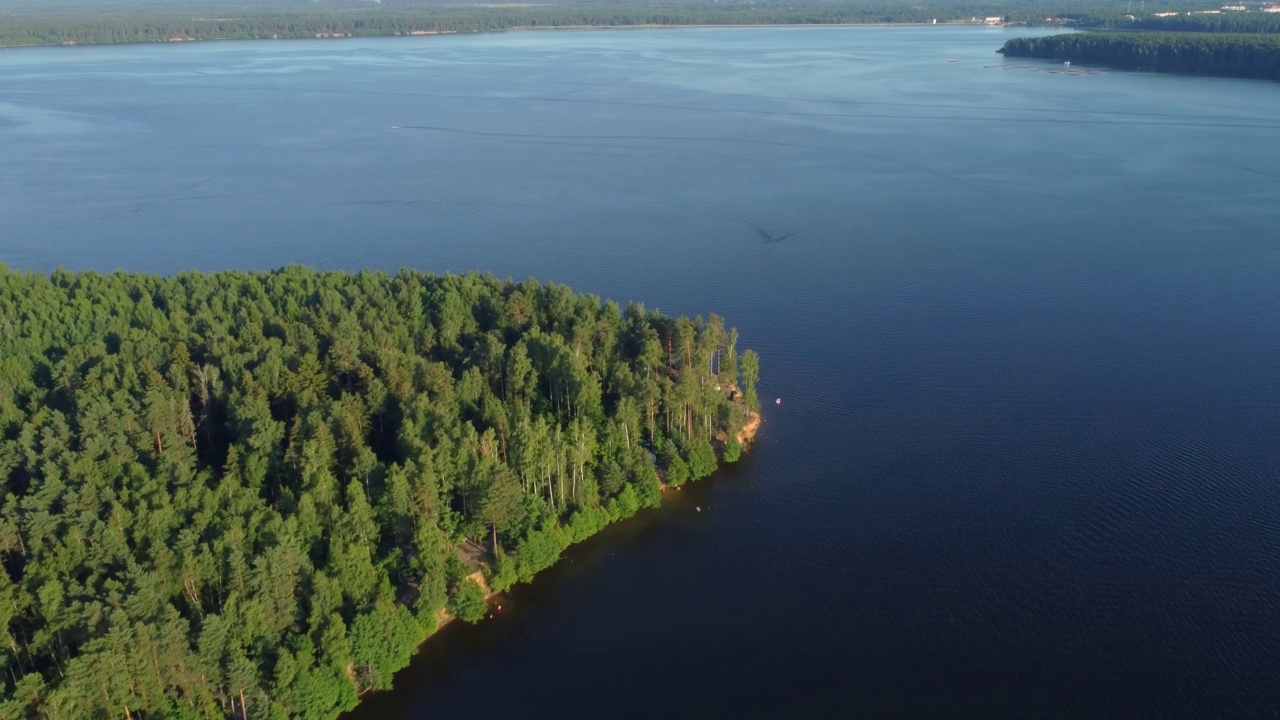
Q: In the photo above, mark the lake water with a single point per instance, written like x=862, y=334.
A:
x=1024, y=327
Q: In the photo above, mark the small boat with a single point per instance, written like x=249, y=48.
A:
x=1066, y=62
x=953, y=61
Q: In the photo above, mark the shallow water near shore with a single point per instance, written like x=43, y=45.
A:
x=1024, y=326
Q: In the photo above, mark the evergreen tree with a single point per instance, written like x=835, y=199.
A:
x=467, y=602
x=732, y=450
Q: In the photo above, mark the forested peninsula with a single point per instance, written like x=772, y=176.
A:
x=1244, y=55
x=247, y=494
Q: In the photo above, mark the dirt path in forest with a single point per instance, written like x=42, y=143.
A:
x=474, y=553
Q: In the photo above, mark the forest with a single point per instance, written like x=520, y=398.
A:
x=168, y=27
x=247, y=494
x=1234, y=55
x=63, y=22
x=1220, y=22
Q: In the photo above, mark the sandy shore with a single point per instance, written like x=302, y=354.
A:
x=748, y=431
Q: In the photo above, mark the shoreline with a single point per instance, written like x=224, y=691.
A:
x=687, y=26
x=518, y=28
x=748, y=432
x=746, y=436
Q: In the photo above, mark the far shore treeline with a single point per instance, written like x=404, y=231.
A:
x=79, y=22
x=278, y=21
x=1160, y=36
x=253, y=494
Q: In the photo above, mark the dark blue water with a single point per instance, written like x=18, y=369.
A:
x=1024, y=326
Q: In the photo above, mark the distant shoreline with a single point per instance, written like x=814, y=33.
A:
x=519, y=28
x=687, y=26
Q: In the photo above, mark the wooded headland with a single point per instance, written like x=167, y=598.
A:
x=1243, y=55
x=243, y=494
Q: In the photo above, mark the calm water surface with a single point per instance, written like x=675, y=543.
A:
x=1024, y=326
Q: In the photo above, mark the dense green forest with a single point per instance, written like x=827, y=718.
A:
x=1239, y=55
x=120, y=21
x=1223, y=22
x=243, y=494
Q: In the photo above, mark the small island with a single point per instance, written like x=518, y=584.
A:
x=254, y=494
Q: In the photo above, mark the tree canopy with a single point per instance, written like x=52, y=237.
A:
x=1234, y=55
x=62, y=22
x=241, y=494
x=1213, y=21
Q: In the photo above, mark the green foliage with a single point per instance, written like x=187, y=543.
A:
x=455, y=570
x=160, y=22
x=240, y=494
x=625, y=505
x=750, y=375
x=702, y=459
x=306, y=690
x=1246, y=56
x=539, y=551
x=611, y=478
x=1224, y=22
x=384, y=639
x=504, y=572
x=467, y=602
x=586, y=522
x=732, y=449
x=1116, y=18
x=677, y=471
x=647, y=488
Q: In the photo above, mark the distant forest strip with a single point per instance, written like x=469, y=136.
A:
x=1226, y=21
x=1232, y=55
x=390, y=22
x=78, y=23
x=243, y=494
